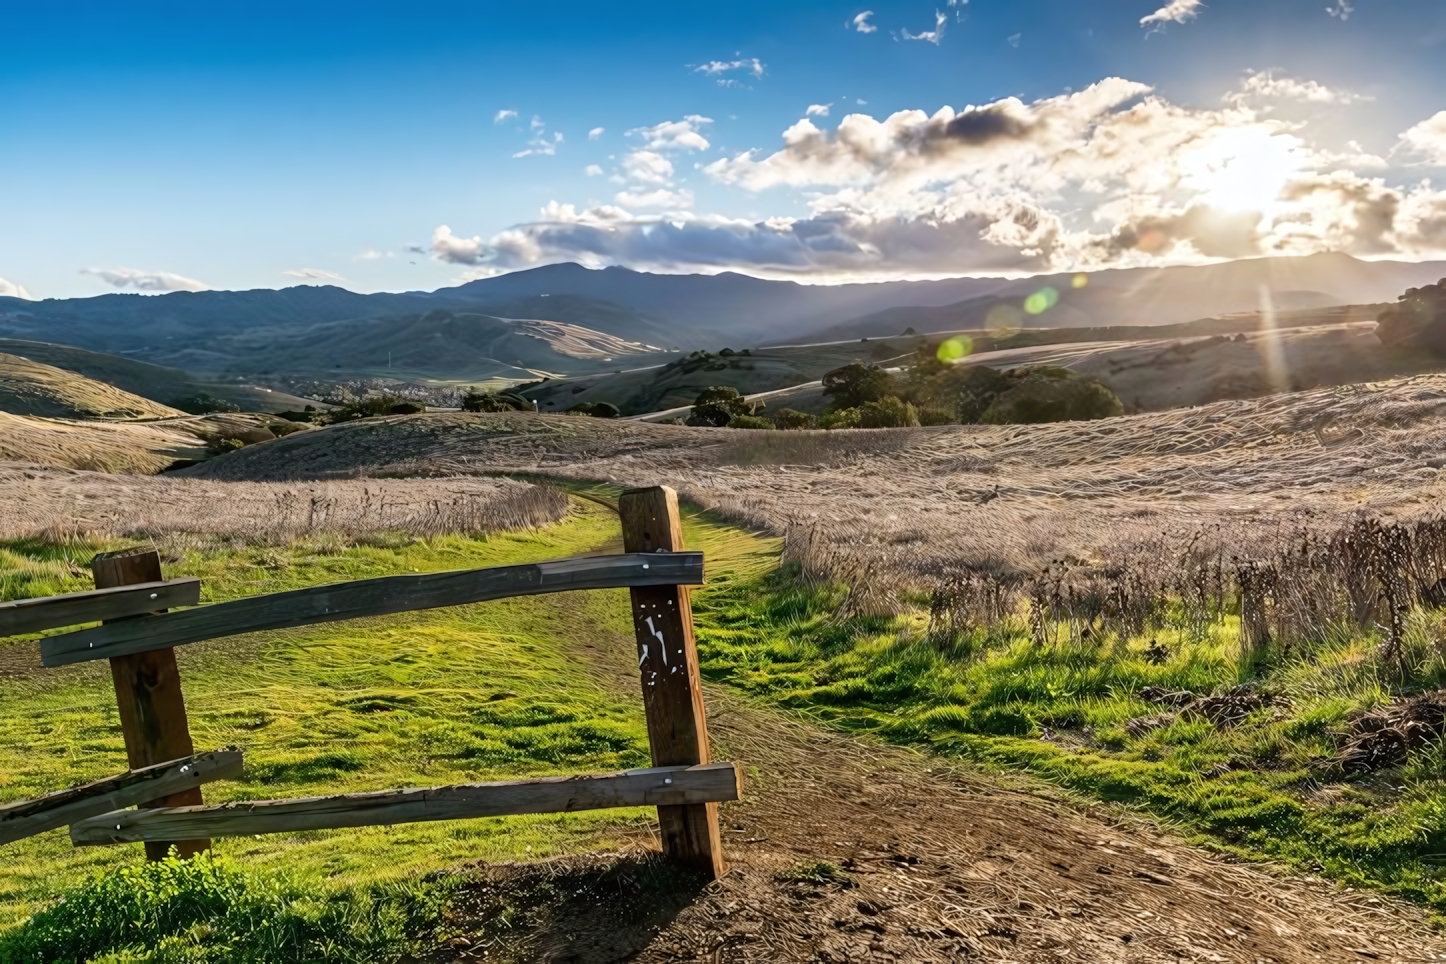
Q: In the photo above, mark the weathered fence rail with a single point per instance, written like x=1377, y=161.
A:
x=667, y=786
x=27, y=818
x=138, y=635
x=368, y=597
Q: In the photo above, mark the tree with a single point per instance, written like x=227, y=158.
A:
x=1417, y=320
x=595, y=409
x=854, y=384
x=1049, y=394
x=718, y=405
x=789, y=419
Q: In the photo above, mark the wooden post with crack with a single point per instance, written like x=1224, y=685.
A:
x=148, y=694
x=672, y=690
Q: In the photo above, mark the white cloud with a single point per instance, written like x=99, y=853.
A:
x=648, y=167
x=817, y=110
x=661, y=198
x=1429, y=139
x=861, y=22
x=1265, y=85
x=1176, y=11
x=929, y=36
x=313, y=274
x=541, y=145
x=503, y=116
x=537, y=124
x=676, y=135
x=1110, y=176
x=1342, y=10
x=1014, y=39
x=9, y=289
x=593, y=170
x=595, y=133
x=715, y=68
x=372, y=254
x=446, y=246
x=147, y=280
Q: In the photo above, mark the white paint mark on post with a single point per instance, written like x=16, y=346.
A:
x=662, y=643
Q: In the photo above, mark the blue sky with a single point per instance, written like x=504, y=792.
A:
x=154, y=146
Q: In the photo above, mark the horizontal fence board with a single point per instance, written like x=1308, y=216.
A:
x=53, y=612
x=26, y=818
x=660, y=786
x=370, y=597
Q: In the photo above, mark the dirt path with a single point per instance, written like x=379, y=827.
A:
x=847, y=851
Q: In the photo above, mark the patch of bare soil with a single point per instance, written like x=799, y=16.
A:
x=844, y=850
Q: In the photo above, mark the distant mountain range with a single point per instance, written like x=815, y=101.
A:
x=566, y=318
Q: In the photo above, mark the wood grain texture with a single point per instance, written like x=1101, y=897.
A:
x=52, y=612
x=148, y=694
x=672, y=688
x=632, y=788
x=368, y=597
x=26, y=818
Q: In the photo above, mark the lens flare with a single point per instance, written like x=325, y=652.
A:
x=1080, y=280
x=1004, y=320
x=1041, y=301
x=953, y=349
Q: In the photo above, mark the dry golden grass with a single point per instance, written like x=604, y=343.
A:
x=57, y=504
x=30, y=388
x=996, y=508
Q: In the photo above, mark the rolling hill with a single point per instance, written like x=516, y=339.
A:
x=314, y=329
x=30, y=388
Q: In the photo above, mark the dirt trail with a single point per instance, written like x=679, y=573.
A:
x=843, y=850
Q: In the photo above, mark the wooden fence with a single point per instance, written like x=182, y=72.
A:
x=138, y=635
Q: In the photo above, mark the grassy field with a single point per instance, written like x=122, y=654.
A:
x=1258, y=779
x=500, y=689
x=473, y=693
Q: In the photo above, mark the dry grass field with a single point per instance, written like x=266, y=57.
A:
x=31, y=388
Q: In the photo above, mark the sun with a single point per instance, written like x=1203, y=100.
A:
x=1243, y=169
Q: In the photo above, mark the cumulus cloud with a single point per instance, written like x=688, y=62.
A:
x=1265, y=85
x=9, y=289
x=929, y=36
x=817, y=110
x=593, y=170
x=313, y=274
x=595, y=133
x=446, y=246
x=647, y=167
x=147, y=280
x=1113, y=175
x=861, y=22
x=675, y=135
x=502, y=116
x=1176, y=11
x=1428, y=138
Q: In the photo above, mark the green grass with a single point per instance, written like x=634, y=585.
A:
x=1257, y=789
x=456, y=695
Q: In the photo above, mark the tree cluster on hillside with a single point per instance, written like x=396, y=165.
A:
x=930, y=391
x=1417, y=320
x=477, y=401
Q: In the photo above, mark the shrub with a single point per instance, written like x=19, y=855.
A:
x=1417, y=320
x=749, y=421
x=221, y=444
x=1047, y=394
x=933, y=415
x=888, y=412
x=202, y=403
x=373, y=407
x=845, y=418
x=789, y=419
x=718, y=405
x=475, y=401
x=854, y=384
x=595, y=409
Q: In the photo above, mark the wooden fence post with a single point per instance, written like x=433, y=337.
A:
x=672, y=690
x=148, y=694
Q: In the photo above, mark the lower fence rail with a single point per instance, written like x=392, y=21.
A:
x=655, y=786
